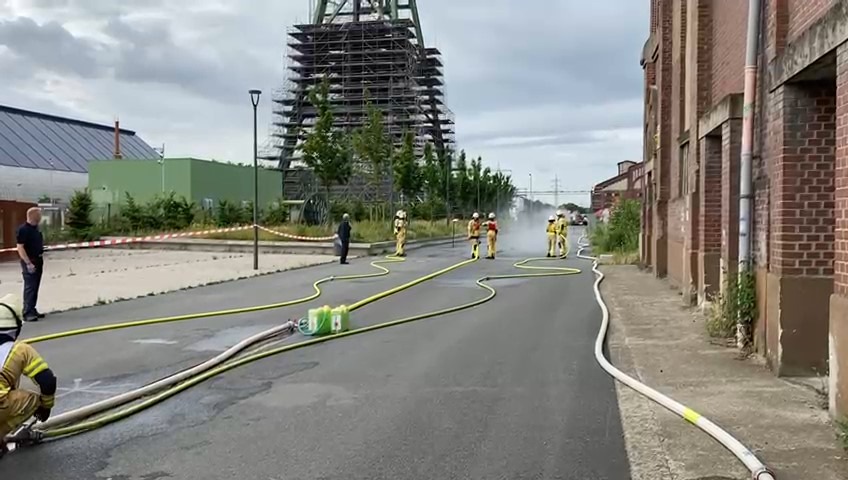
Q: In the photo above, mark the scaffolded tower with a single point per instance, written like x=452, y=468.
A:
x=369, y=51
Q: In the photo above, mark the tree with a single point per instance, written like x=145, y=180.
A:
x=326, y=150
x=372, y=145
x=431, y=173
x=573, y=207
x=79, y=215
x=406, y=169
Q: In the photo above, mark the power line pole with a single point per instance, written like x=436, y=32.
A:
x=556, y=191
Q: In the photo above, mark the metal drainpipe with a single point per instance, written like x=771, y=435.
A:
x=746, y=167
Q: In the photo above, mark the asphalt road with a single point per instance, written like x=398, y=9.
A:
x=508, y=390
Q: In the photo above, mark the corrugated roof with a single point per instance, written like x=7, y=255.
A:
x=37, y=140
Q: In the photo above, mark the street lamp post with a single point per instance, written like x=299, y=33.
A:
x=161, y=153
x=531, y=191
x=254, y=100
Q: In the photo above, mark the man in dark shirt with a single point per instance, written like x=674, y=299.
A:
x=343, y=234
x=30, y=244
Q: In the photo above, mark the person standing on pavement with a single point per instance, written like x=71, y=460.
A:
x=343, y=234
x=30, y=245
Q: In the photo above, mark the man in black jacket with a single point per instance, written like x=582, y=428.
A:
x=343, y=234
x=30, y=245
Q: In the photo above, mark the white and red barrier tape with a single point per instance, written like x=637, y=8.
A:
x=167, y=236
x=296, y=237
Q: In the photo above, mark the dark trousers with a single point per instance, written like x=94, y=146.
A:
x=32, y=282
x=345, y=248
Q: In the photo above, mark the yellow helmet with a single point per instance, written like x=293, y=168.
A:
x=11, y=314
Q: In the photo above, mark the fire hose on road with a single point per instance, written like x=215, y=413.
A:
x=80, y=420
x=755, y=466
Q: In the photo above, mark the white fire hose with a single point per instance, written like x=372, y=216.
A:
x=756, y=467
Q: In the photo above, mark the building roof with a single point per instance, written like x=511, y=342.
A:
x=37, y=140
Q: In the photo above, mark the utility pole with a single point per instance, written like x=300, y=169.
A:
x=556, y=191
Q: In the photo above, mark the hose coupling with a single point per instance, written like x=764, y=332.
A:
x=763, y=474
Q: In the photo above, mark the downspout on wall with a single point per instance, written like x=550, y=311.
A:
x=746, y=182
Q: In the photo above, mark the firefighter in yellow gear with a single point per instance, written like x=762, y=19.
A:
x=400, y=233
x=491, y=236
x=552, y=236
x=562, y=232
x=17, y=405
x=474, y=235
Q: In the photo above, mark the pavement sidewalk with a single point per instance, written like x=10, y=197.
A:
x=665, y=345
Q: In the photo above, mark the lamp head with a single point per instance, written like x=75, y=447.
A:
x=254, y=96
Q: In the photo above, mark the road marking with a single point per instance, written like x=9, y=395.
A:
x=155, y=341
x=94, y=388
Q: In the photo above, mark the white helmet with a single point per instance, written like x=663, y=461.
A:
x=492, y=216
x=552, y=218
x=475, y=215
x=399, y=214
x=559, y=213
x=11, y=314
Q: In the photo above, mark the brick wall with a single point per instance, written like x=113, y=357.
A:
x=664, y=83
x=764, y=143
x=729, y=29
x=711, y=195
x=803, y=13
x=777, y=23
x=803, y=179
x=678, y=73
x=731, y=145
x=840, y=278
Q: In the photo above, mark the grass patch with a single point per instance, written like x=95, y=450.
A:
x=842, y=432
x=365, y=231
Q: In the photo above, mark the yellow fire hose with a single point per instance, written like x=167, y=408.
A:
x=316, y=286
x=542, y=271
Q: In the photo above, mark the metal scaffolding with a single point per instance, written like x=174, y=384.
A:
x=368, y=51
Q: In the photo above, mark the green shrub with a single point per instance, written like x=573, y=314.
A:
x=737, y=304
x=356, y=209
x=622, y=233
x=80, y=226
x=277, y=214
x=229, y=214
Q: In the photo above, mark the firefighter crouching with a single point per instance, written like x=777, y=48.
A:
x=491, y=236
x=400, y=233
x=552, y=236
x=474, y=235
x=17, y=358
x=562, y=233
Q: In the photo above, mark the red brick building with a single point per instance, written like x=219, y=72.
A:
x=627, y=184
x=694, y=70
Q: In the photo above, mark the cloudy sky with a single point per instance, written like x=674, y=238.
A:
x=542, y=87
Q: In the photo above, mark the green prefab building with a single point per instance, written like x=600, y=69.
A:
x=201, y=181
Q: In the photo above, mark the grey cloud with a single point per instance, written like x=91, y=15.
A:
x=50, y=46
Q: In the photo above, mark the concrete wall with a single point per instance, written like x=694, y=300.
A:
x=29, y=184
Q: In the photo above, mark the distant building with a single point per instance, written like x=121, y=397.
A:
x=44, y=155
x=204, y=182
x=627, y=184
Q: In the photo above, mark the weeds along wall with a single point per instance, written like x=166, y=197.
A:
x=201, y=181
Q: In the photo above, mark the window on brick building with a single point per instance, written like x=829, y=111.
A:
x=683, y=170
